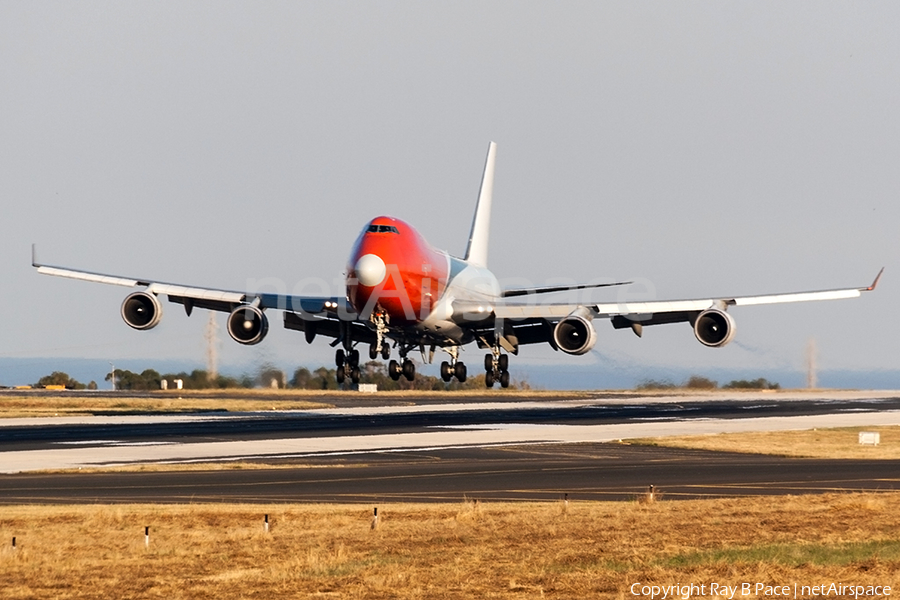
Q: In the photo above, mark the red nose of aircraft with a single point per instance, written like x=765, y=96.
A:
x=393, y=270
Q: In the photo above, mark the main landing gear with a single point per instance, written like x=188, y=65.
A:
x=406, y=369
x=347, y=359
x=454, y=368
x=496, y=367
x=374, y=352
x=347, y=365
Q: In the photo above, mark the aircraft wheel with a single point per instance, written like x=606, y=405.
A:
x=373, y=352
x=353, y=358
x=503, y=362
x=385, y=350
x=446, y=373
x=394, y=370
x=460, y=371
x=504, y=379
x=339, y=358
x=354, y=375
x=488, y=362
x=489, y=379
x=409, y=369
x=340, y=375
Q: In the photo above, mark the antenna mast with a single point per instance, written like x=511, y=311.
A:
x=811, y=381
x=212, y=348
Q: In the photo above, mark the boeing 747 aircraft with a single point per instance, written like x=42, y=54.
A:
x=401, y=293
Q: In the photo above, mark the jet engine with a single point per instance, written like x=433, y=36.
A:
x=575, y=334
x=142, y=310
x=714, y=328
x=247, y=325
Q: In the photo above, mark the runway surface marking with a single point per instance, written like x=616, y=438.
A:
x=441, y=438
x=600, y=401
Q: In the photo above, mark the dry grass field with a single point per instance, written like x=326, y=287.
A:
x=70, y=406
x=464, y=550
x=237, y=400
x=842, y=442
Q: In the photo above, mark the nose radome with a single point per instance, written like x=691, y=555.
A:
x=370, y=270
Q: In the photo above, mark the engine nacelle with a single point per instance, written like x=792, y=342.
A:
x=141, y=310
x=575, y=334
x=714, y=328
x=247, y=325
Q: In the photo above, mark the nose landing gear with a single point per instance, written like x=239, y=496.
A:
x=381, y=345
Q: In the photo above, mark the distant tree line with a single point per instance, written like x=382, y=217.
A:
x=697, y=382
x=150, y=379
x=753, y=384
x=267, y=376
x=198, y=379
x=376, y=372
x=63, y=379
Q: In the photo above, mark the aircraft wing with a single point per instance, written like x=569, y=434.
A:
x=212, y=299
x=664, y=311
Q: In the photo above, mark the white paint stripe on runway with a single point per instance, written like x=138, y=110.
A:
x=32, y=460
x=763, y=396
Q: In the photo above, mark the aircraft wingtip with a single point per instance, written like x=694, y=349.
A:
x=875, y=283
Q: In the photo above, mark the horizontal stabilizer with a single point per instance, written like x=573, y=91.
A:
x=561, y=288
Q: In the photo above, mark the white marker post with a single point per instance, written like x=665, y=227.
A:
x=375, y=519
x=146, y=537
x=266, y=526
x=14, y=543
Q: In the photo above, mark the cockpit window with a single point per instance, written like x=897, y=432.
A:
x=382, y=229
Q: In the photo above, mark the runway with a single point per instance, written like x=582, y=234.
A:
x=518, y=449
x=582, y=471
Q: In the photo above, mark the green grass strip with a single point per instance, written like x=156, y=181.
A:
x=790, y=554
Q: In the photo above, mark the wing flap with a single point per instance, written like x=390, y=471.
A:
x=197, y=293
x=559, y=311
x=328, y=326
x=191, y=303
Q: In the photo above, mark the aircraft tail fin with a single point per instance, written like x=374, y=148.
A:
x=477, y=250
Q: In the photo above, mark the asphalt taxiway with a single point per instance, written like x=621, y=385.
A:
x=428, y=451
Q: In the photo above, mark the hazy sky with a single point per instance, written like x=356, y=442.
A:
x=711, y=148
